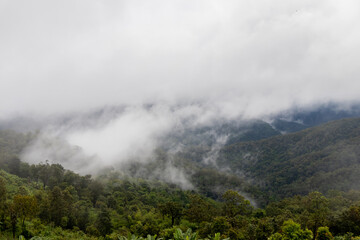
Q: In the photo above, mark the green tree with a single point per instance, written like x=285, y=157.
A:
x=14, y=166
x=44, y=173
x=68, y=219
x=13, y=218
x=188, y=235
x=276, y=236
x=350, y=221
x=56, y=174
x=220, y=225
x=292, y=231
x=235, y=204
x=81, y=212
x=2, y=203
x=44, y=205
x=323, y=233
x=96, y=189
x=25, y=207
x=171, y=209
x=317, y=207
x=22, y=191
x=57, y=206
x=103, y=222
x=199, y=210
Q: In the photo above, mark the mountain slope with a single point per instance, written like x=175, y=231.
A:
x=297, y=119
x=320, y=158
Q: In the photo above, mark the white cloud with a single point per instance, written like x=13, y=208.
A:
x=132, y=134
x=194, y=61
x=258, y=55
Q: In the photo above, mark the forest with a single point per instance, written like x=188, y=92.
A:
x=179, y=120
x=47, y=201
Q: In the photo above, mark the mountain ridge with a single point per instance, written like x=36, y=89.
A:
x=299, y=158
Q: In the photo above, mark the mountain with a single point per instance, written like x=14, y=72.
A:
x=316, y=159
x=279, y=156
x=297, y=119
x=263, y=165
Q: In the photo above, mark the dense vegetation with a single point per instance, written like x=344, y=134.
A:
x=316, y=159
x=55, y=203
x=303, y=186
x=63, y=205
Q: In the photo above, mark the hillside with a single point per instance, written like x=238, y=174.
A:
x=75, y=207
x=133, y=201
x=320, y=158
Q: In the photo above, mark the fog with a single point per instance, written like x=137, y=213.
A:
x=113, y=136
x=164, y=66
x=247, y=57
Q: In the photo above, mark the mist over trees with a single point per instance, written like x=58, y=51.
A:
x=47, y=200
x=178, y=120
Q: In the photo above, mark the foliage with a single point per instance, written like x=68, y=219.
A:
x=49, y=202
x=322, y=158
x=188, y=235
x=172, y=209
x=235, y=204
x=323, y=233
x=292, y=231
x=200, y=210
x=25, y=207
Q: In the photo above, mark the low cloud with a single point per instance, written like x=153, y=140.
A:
x=250, y=58
x=166, y=66
x=120, y=138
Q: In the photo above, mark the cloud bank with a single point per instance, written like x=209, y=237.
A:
x=167, y=66
x=248, y=58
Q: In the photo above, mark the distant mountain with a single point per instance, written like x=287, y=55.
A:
x=297, y=119
x=294, y=152
x=316, y=159
x=226, y=132
x=235, y=130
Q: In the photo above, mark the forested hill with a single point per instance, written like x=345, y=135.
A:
x=319, y=158
x=64, y=205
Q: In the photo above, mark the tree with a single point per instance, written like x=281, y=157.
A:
x=44, y=173
x=14, y=166
x=350, y=221
x=172, y=209
x=2, y=191
x=69, y=212
x=199, y=210
x=220, y=225
x=235, y=204
x=22, y=191
x=323, y=233
x=96, y=190
x=25, y=207
x=292, y=231
x=188, y=235
x=13, y=218
x=317, y=207
x=103, y=222
x=56, y=174
x=81, y=212
x=2, y=203
x=57, y=205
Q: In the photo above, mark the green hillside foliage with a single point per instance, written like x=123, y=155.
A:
x=302, y=185
x=12, y=142
x=79, y=207
x=16, y=184
x=316, y=159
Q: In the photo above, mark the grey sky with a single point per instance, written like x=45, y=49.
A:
x=229, y=58
x=248, y=57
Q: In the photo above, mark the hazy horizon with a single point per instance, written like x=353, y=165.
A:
x=169, y=65
x=245, y=58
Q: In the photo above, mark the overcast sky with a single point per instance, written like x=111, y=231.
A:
x=250, y=56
